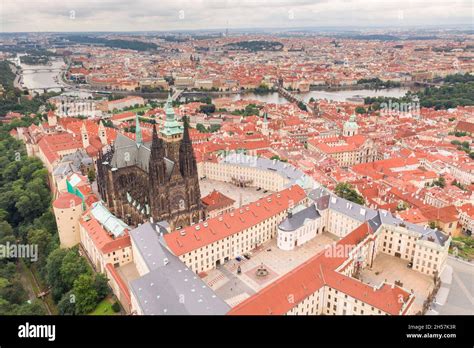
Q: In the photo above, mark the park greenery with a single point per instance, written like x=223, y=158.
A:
x=346, y=191
x=263, y=89
x=207, y=109
x=26, y=218
x=13, y=99
x=254, y=46
x=114, y=43
x=440, y=182
x=376, y=83
x=250, y=110
x=462, y=247
x=211, y=129
x=456, y=90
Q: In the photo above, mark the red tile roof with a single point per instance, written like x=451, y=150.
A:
x=227, y=224
x=315, y=273
x=50, y=145
x=464, y=126
x=66, y=200
x=217, y=200
x=101, y=238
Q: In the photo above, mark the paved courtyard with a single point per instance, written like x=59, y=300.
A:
x=244, y=194
x=128, y=272
x=390, y=268
x=235, y=288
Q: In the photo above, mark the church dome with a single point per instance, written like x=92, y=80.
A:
x=351, y=124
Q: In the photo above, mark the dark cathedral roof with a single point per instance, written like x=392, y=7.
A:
x=128, y=153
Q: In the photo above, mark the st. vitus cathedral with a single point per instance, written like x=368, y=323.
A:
x=152, y=181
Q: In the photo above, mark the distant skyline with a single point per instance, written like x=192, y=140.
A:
x=163, y=15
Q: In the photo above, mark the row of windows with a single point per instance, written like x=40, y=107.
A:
x=238, y=243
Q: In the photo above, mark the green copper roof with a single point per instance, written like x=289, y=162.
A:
x=108, y=220
x=351, y=123
x=172, y=126
x=138, y=131
x=71, y=188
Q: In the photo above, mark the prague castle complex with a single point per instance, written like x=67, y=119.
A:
x=152, y=181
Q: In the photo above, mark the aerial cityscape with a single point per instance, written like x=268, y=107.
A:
x=236, y=158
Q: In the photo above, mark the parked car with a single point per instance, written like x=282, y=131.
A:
x=410, y=264
x=247, y=256
x=238, y=258
x=258, y=189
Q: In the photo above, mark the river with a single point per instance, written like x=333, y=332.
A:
x=341, y=95
x=47, y=79
x=42, y=79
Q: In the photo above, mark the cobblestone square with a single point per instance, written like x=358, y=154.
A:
x=234, y=288
x=390, y=268
x=245, y=195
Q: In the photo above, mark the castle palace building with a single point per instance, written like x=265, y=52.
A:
x=152, y=181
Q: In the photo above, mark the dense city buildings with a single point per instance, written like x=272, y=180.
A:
x=241, y=172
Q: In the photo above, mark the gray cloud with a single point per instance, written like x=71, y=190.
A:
x=124, y=15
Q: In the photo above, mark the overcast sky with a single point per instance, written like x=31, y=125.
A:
x=141, y=15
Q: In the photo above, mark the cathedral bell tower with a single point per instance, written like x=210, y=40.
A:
x=158, y=193
x=172, y=132
x=187, y=161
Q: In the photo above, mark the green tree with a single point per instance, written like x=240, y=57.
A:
x=302, y=106
x=441, y=182
x=6, y=233
x=86, y=294
x=14, y=292
x=67, y=304
x=200, y=127
x=72, y=267
x=207, y=108
x=53, y=273
x=34, y=308
x=44, y=241
x=346, y=191
x=116, y=307
x=91, y=175
x=101, y=286
x=214, y=128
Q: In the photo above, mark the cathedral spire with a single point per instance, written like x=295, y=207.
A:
x=171, y=128
x=186, y=137
x=187, y=161
x=157, y=149
x=157, y=158
x=138, y=131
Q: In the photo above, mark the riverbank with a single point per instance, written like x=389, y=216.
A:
x=356, y=87
x=340, y=95
x=17, y=82
x=335, y=93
